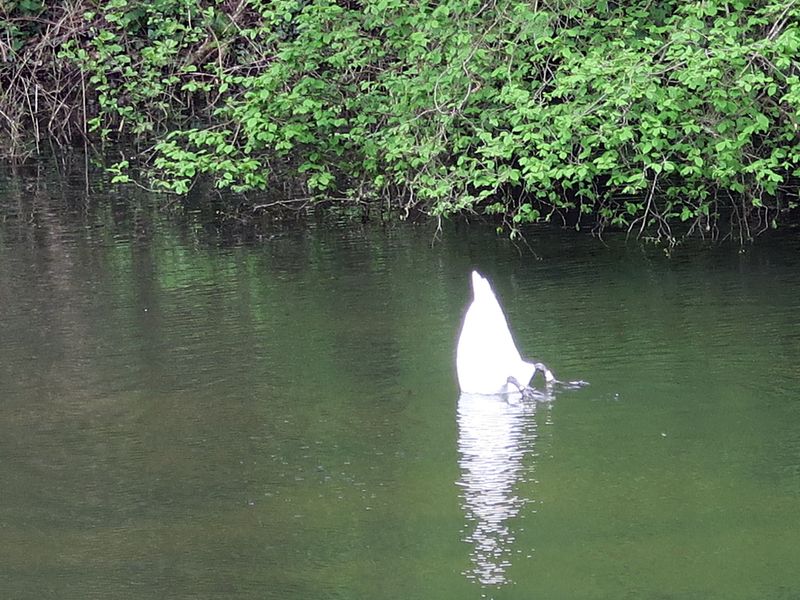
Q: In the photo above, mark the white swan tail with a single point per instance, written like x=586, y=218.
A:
x=486, y=355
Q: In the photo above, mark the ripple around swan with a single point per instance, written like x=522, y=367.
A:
x=494, y=438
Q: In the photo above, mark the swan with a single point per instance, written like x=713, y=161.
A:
x=487, y=360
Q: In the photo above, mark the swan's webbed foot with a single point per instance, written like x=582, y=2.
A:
x=548, y=374
x=527, y=392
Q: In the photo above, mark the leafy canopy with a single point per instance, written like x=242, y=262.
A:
x=634, y=114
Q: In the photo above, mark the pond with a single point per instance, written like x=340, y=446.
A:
x=183, y=416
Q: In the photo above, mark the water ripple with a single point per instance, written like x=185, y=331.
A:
x=494, y=437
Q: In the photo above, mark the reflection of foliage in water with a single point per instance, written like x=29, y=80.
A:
x=235, y=401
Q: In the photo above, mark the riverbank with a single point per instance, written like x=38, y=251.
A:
x=662, y=121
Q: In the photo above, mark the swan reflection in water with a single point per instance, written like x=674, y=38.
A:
x=495, y=435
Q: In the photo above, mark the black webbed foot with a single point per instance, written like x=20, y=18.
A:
x=527, y=392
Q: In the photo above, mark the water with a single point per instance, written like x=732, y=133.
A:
x=185, y=417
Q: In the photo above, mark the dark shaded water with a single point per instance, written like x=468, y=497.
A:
x=181, y=418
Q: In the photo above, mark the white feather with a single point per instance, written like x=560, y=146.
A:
x=486, y=355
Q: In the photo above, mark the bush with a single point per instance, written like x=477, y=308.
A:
x=651, y=117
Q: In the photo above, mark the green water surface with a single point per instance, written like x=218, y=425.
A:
x=186, y=417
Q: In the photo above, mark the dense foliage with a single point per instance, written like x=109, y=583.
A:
x=634, y=114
